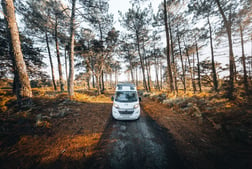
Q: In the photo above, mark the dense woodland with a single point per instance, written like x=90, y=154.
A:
x=81, y=36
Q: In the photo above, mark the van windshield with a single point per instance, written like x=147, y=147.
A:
x=126, y=96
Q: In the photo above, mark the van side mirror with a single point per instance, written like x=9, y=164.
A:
x=140, y=99
x=112, y=98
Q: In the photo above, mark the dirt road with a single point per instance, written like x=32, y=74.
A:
x=86, y=136
x=136, y=144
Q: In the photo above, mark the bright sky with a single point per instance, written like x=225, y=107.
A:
x=124, y=5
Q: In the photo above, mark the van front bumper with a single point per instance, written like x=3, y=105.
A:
x=123, y=116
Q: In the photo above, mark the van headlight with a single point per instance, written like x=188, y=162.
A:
x=136, y=106
x=116, y=106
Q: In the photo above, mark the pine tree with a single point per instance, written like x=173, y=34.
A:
x=23, y=88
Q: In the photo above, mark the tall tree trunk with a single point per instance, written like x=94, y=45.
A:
x=110, y=79
x=131, y=71
x=231, y=64
x=93, y=80
x=132, y=74
x=98, y=84
x=88, y=81
x=250, y=65
x=101, y=77
x=146, y=66
x=15, y=83
x=58, y=56
x=198, y=67
x=141, y=61
x=71, y=53
x=182, y=65
x=93, y=75
x=245, y=76
x=235, y=72
x=190, y=69
x=215, y=81
x=169, y=72
x=51, y=63
x=102, y=82
x=116, y=77
x=66, y=67
x=136, y=76
x=23, y=91
x=148, y=75
x=161, y=75
x=193, y=74
x=156, y=72
x=173, y=65
x=228, y=25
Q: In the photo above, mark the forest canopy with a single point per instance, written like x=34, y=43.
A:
x=79, y=43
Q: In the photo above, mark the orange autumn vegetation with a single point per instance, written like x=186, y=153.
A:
x=50, y=149
x=53, y=129
x=5, y=97
x=92, y=99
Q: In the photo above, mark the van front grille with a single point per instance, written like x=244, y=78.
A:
x=126, y=112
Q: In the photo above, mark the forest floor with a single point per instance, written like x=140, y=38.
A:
x=206, y=132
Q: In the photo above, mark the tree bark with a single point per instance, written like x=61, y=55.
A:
x=93, y=75
x=71, y=53
x=131, y=68
x=193, y=75
x=190, y=69
x=173, y=65
x=116, y=77
x=136, y=76
x=141, y=61
x=182, y=65
x=58, y=56
x=245, y=76
x=156, y=71
x=98, y=85
x=10, y=52
x=161, y=75
x=146, y=67
x=227, y=24
x=148, y=75
x=132, y=74
x=198, y=67
x=51, y=62
x=66, y=67
x=23, y=91
x=215, y=81
x=169, y=72
x=102, y=82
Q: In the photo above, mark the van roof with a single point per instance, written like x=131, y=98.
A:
x=125, y=87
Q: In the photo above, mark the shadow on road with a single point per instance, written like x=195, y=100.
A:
x=135, y=144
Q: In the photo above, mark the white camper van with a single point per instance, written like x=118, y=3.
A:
x=126, y=102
